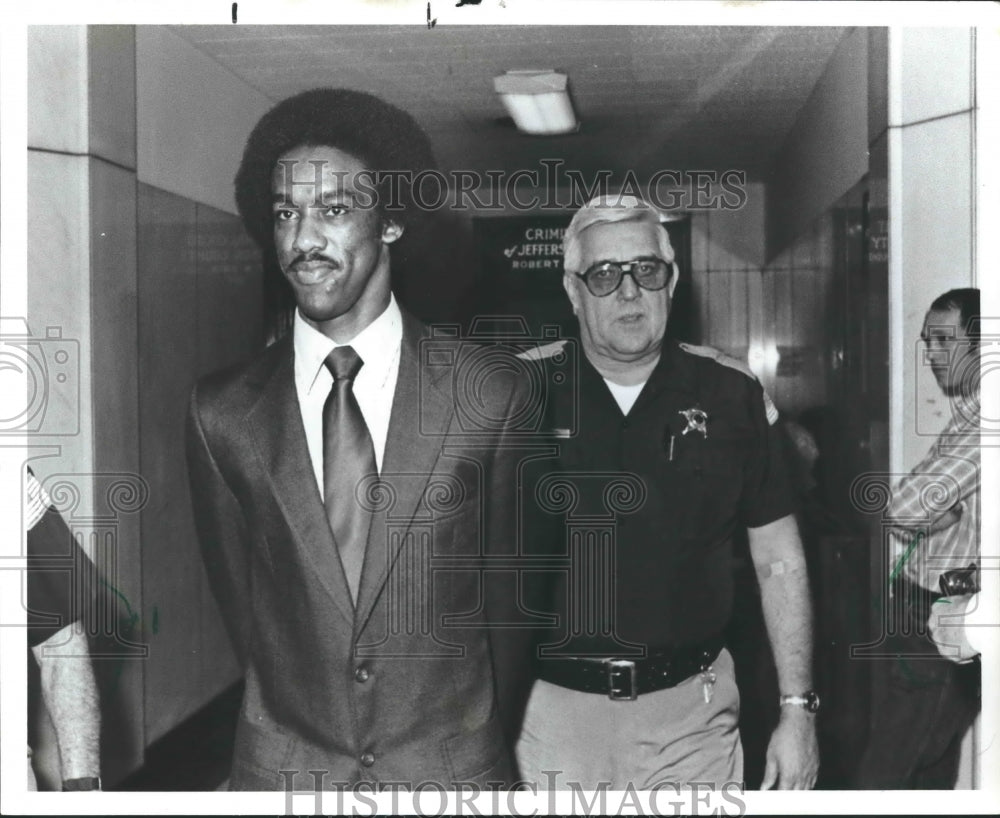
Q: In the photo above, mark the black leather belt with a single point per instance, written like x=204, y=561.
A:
x=626, y=679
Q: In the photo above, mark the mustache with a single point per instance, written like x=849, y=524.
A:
x=307, y=258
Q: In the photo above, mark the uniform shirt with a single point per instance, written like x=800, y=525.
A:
x=672, y=515
x=947, y=476
x=374, y=387
x=61, y=583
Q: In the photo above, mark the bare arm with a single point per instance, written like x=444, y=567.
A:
x=70, y=694
x=776, y=550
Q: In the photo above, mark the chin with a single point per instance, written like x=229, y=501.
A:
x=635, y=339
x=633, y=349
x=321, y=312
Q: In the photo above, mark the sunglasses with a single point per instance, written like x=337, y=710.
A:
x=605, y=277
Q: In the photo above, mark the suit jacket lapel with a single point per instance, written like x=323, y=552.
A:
x=421, y=411
x=275, y=423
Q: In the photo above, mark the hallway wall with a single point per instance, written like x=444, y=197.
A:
x=826, y=152
x=192, y=118
x=147, y=289
x=932, y=172
x=82, y=297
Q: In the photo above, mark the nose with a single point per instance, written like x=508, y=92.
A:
x=628, y=290
x=308, y=235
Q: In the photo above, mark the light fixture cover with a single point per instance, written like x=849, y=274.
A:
x=537, y=101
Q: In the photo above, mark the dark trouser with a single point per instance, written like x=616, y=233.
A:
x=922, y=707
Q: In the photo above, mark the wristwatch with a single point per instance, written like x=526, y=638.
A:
x=81, y=784
x=809, y=701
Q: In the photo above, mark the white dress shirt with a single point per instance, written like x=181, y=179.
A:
x=378, y=346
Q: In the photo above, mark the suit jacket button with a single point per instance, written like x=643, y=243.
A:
x=368, y=759
x=361, y=674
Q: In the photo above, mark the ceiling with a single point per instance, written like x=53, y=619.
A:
x=649, y=97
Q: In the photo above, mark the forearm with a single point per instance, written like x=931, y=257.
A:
x=945, y=520
x=70, y=694
x=793, y=752
x=781, y=572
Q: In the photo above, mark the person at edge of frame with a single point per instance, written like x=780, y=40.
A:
x=61, y=597
x=925, y=700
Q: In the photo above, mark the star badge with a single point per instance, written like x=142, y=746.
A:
x=697, y=421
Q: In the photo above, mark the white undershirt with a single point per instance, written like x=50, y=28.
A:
x=378, y=346
x=625, y=396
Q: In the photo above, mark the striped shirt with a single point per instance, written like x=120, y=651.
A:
x=36, y=501
x=948, y=476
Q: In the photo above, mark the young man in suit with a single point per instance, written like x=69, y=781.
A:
x=343, y=503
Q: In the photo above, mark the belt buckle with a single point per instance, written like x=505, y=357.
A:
x=618, y=695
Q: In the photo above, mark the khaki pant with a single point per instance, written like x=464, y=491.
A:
x=668, y=736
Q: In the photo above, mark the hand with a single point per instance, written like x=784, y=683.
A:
x=793, y=753
x=948, y=519
x=947, y=626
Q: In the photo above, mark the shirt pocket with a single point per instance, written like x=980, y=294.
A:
x=703, y=483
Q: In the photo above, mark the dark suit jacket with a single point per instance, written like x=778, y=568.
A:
x=410, y=686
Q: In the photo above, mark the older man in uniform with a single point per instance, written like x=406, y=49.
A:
x=636, y=687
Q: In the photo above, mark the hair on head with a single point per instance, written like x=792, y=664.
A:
x=609, y=209
x=385, y=138
x=966, y=301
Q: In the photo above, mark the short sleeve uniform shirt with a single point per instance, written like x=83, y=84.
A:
x=659, y=494
x=60, y=577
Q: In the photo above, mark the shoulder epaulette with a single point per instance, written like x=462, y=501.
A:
x=540, y=353
x=740, y=366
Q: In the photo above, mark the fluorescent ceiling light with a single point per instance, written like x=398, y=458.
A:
x=537, y=101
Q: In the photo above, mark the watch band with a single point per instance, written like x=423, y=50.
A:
x=808, y=701
x=87, y=784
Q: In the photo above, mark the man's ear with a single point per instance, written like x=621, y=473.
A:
x=391, y=231
x=569, y=285
x=674, y=278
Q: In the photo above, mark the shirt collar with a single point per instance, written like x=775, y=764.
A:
x=377, y=345
x=965, y=408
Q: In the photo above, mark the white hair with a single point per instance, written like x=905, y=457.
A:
x=609, y=209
